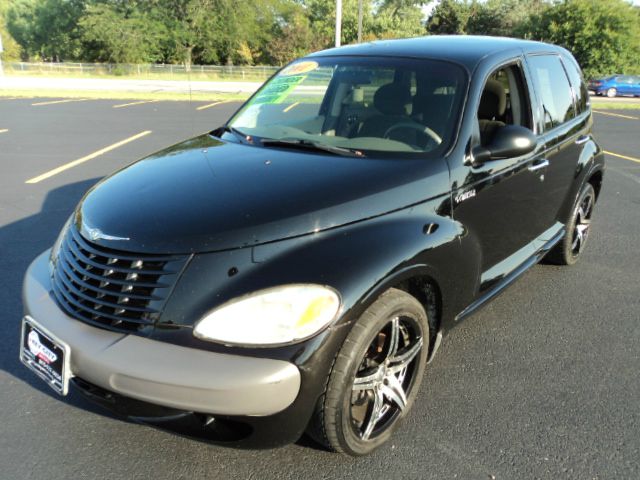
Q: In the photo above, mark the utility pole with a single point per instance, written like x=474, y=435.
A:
x=338, y=21
x=359, y=21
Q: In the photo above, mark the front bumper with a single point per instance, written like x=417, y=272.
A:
x=160, y=373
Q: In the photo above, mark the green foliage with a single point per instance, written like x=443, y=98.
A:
x=11, y=48
x=604, y=36
x=120, y=35
x=380, y=19
x=493, y=17
x=47, y=29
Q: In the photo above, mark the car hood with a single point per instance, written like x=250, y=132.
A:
x=206, y=195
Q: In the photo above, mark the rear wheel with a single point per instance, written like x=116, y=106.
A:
x=612, y=92
x=376, y=376
x=572, y=245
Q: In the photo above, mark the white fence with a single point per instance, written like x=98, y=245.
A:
x=213, y=72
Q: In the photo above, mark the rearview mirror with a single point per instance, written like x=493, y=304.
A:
x=509, y=141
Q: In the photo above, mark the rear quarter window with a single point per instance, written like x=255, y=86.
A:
x=553, y=88
x=579, y=87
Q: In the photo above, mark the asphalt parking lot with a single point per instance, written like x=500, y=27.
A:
x=541, y=383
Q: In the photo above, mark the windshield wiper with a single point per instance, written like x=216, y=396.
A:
x=310, y=145
x=228, y=128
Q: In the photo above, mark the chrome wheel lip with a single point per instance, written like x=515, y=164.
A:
x=582, y=223
x=387, y=385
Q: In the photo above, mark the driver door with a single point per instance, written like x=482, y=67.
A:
x=498, y=201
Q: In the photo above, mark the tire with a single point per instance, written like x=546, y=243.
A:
x=360, y=383
x=611, y=92
x=569, y=249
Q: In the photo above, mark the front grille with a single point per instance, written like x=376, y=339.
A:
x=117, y=290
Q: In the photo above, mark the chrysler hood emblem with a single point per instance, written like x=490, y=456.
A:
x=97, y=234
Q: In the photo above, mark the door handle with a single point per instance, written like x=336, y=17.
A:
x=539, y=165
x=582, y=139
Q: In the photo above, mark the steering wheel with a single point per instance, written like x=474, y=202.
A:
x=414, y=126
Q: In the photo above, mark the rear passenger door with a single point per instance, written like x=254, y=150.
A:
x=563, y=118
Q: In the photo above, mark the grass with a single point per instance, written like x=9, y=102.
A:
x=604, y=105
x=122, y=95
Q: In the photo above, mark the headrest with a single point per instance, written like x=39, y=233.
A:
x=493, y=102
x=393, y=99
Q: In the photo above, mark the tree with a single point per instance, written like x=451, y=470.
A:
x=451, y=17
x=603, y=36
x=120, y=34
x=11, y=47
x=293, y=38
x=47, y=29
x=493, y=17
x=381, y=19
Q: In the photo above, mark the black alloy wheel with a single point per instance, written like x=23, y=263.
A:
x=376, y=376
x=572, y=245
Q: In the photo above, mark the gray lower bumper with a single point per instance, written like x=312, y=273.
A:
x=161, y=373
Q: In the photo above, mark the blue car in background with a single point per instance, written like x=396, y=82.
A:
x=616, y=85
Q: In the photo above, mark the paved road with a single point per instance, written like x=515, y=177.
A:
x=124, y=85
x=597, y=99
x=542, y=383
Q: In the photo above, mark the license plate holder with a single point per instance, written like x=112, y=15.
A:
x=45, y=355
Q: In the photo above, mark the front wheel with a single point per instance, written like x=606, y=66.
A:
x=376, y=376
x=572, y=245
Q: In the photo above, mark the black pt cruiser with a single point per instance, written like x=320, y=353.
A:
x=296, y=269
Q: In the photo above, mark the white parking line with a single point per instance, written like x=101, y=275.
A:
x=4, y=130
x=211, y=105
x=69, y=165
x=135, y=103
x=53, y=102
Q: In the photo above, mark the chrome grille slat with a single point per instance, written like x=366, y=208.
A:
x=98, y=300
x=85, y=259
x=119, y=291
x=78, y=268
x=83, y=308
x=73, y=275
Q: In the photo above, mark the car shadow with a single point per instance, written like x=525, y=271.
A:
x=20, y=242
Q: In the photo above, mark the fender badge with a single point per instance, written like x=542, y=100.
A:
x=461, y=197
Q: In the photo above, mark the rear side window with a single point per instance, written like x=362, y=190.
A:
x=553, y=89
x=579, y=87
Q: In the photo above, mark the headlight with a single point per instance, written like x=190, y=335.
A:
x=273, y=316
x=55, y=250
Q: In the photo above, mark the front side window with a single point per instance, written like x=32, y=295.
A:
x=553, y=89
x=504, y=101
x=368, y=105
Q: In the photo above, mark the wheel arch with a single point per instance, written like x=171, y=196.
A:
x=419, y=281
x=595, y=179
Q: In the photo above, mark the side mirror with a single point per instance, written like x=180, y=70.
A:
x=508, y=142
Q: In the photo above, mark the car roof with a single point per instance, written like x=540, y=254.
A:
x=468, y=50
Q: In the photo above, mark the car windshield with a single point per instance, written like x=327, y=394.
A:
x=357, y=105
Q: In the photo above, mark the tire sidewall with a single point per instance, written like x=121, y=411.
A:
x=412, y=308
x=571, y=224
